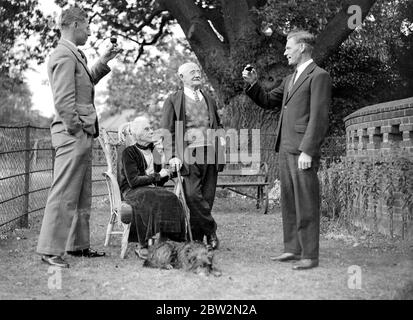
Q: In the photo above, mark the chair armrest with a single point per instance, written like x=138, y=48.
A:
x=126, y=212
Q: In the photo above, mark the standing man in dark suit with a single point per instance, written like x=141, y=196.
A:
x=65, y=226
x=190, y=116
x=304, y=99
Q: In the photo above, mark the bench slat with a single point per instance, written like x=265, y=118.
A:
x=241, y=174
x=242, y=184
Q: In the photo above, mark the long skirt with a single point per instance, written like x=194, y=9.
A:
x=155, y=209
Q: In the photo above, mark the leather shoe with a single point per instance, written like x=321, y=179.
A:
x=305, y=264
x=56, y=261
x=287, y=256
x=212, y=241
x=88, y=253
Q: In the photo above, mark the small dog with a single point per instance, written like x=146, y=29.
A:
x=190, y=256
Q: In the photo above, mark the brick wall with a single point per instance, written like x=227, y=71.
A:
x=380, y=128
x=372, y=132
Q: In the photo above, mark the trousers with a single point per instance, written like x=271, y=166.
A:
x=199, y=189
x=65, y=225
x=300, y=206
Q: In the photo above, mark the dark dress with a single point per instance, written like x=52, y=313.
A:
x=155, y=209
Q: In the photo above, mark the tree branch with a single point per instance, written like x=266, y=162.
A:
x=215, y=16
x=130, y=27
x=149, y=19
x=195, y=26
x=91, y=7
x=337, y=30
x=155, y=38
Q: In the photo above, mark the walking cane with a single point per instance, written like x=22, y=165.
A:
x=186, y=209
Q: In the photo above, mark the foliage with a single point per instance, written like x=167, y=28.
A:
x=25, y=35
x=387, y=34
x=141, y=23
x=15, y=99
x=15, y=103
x=374, y=64
x=353, y=189
x=401, y=50
x=359, y=79
x=19, y=22
x=310, y=15
x=275, y=193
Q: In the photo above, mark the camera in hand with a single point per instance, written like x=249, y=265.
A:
x=113, y=40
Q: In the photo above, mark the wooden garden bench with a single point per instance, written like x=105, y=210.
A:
x=238, y=180
x=255, y=175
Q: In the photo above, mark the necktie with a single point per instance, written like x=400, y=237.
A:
x=82, y=54
x=196, y=96
x=291, y=84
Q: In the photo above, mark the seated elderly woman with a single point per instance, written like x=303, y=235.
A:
x=155, y=209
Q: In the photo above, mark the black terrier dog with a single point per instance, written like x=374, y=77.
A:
x=190, y=256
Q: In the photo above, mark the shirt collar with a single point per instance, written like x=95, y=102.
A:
x=190, y=93
x=302, y=67
x=70, y=43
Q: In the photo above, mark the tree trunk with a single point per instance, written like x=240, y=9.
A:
x=242, y=113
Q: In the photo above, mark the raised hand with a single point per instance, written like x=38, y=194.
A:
x=249, y=74
x=164, y=173
x=110, y=52
x=175, y=163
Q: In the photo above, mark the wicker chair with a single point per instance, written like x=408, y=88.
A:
x=110, y=148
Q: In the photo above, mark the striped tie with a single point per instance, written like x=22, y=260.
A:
x=291, y=84
x=196, y=96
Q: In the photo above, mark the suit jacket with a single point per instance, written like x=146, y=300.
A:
x=73, y=90
x=174, y=110
x=304, y=111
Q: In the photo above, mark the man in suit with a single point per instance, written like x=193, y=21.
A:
x=190, y=117
x=65, y=226
x=304, y=99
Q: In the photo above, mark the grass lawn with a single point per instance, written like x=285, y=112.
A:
x=248, y=239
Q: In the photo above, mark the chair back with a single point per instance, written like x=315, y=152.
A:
x=112, y=149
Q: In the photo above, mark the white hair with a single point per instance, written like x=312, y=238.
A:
x=130, y=131
x=137, y=125
x=124, y=131
x=185, y=66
